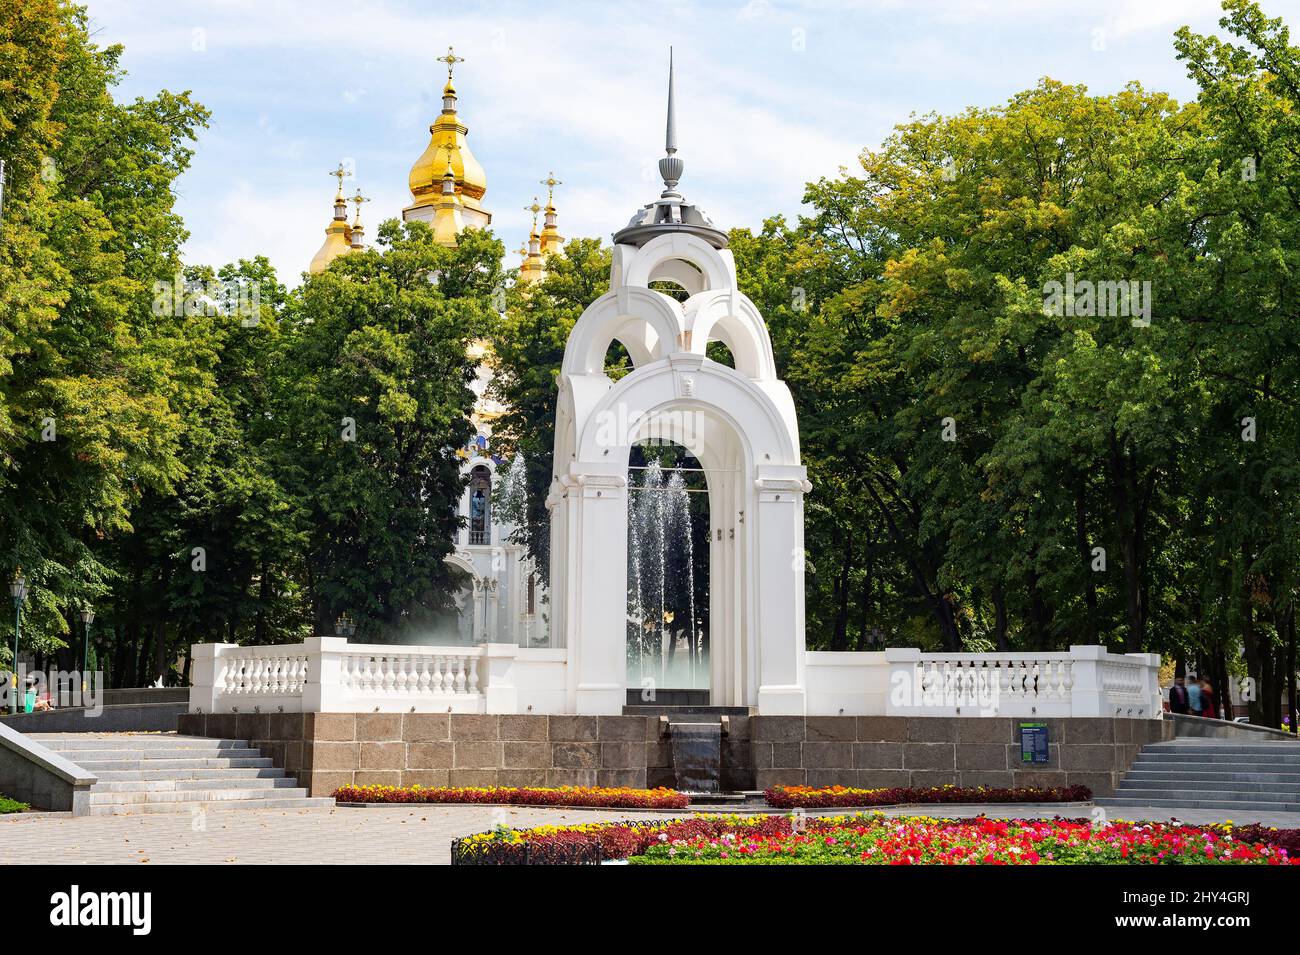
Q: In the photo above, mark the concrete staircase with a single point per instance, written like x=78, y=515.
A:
x=164, y=772
x=1213, y=774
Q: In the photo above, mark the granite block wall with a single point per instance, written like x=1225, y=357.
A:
x=872, y=752
x=328, y=750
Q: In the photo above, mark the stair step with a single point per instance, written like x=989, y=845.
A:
x=211, y=762
x=262, y=772
x=64, y=742
x=1243, y=776
x=1216, y=759
x=1201, y=802
x=193, y=795
x=164, y=772
x=82, y=756
x=1193, y=785
x=186, y=785
x=305, y=802
x=1224, y=746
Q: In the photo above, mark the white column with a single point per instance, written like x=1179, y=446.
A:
x=499, y=694
x=779, y=578
x=597, y=556
x=1151, y=683
x=323, y=690
x=207, y=676
x=476, y=618
x=1086, y=695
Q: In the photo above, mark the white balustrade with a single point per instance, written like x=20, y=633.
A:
x=330, y=675
x=1083, y=682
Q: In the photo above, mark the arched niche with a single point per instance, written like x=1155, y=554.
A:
x=730, y=317
x=675, y=257
x=691, y=388
x=646, y=322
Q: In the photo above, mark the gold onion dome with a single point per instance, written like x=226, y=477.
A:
x=448, y=148
x=534, y=265
x=338, y=234
x=552, y=241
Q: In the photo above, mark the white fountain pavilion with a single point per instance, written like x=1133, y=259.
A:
x=739, y=423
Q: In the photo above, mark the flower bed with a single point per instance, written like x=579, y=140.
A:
x=923, y=841
x=8, y=805
x=879, y=840
x=841, y=797
x=584, y=796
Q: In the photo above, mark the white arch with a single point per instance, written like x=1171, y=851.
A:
x=640, y=267
x=682, y=273
x=730, y=317
x=689, y=385
x=648, y=323
x=461, y=562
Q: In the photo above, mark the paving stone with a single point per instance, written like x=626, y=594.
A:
x=397, y=834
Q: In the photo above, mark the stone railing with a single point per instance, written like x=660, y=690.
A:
x=1086, y=681
x=330, y=675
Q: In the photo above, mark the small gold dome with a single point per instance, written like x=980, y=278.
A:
x=338, y=241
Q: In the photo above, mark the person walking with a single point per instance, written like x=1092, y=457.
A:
x=1194, y=697
x=1207, y=700
x=1178, y=696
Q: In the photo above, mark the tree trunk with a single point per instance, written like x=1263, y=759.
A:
x=1085, y=555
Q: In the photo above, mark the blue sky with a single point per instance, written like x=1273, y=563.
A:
x=771, y=94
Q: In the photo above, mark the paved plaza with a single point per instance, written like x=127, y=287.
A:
x=387, y=835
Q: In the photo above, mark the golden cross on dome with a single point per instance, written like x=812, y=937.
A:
x=451, y=59
x=534, y=209
x=340, y=174
x=356, y=201
x=550, y=182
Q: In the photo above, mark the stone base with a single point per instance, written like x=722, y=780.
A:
x=873, y=752
x=329, y=750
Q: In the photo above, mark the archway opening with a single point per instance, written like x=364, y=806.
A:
x=667, y=575
x=718, y=350
x=480, y=505
x=618, y=362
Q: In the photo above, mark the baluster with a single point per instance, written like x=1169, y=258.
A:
x=399, y=676
x=473, y=674
x=423, y=680
x=460, y=675
x=390, y=678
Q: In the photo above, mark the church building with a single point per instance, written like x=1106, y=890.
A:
x=502, y=599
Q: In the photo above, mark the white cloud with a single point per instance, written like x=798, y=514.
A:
x=580, y=89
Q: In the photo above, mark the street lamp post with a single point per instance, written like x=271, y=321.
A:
x=87, y=618
x=345, y=626
x=17, y=590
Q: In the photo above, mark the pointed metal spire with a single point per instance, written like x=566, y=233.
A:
x=670, y=167
x=670, y=136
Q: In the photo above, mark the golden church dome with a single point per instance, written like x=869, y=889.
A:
x=447, y=144
x=338, y=234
